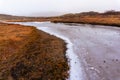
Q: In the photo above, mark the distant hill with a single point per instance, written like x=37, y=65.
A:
x=6, y=17
x=9, y=17
x=110, y=13
x=91, y=13
x=111, y=18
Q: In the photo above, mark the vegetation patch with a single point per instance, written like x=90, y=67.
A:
x=110, y=18
x=29, y=54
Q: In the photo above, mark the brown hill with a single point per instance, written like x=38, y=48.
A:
x=11, y=18
x=108, y=18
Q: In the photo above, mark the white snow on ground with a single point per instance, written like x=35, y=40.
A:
x=75, y=66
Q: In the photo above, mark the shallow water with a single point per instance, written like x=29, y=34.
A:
x=97, y=47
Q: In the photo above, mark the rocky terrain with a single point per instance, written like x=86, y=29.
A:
x=29, y=54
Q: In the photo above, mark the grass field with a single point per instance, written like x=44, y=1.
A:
x=108, y=18
x=29, y=54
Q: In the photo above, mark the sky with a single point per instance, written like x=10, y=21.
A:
x=54, y=7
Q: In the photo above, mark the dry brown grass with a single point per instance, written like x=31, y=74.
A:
x=29, y=54
x=10, y=37
x=14, y=32
x=10, y=18
x=113, y=20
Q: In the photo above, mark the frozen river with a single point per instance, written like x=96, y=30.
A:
x=97, y=49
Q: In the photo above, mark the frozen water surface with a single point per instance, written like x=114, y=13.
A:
x=94, y=50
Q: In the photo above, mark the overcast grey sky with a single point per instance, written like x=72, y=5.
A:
x=24, y=7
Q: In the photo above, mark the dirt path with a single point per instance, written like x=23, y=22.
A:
x=96, y=46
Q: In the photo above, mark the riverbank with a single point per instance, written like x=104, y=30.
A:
x=76, y=70
x=28, y=53
x=94, y=18
x=13, y=18
x=109, y=18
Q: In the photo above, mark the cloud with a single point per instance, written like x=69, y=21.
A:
x=37, y=6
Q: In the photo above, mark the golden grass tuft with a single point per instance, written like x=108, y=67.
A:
x=29, y=54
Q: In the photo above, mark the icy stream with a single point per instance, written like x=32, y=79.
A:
x=93, y=51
